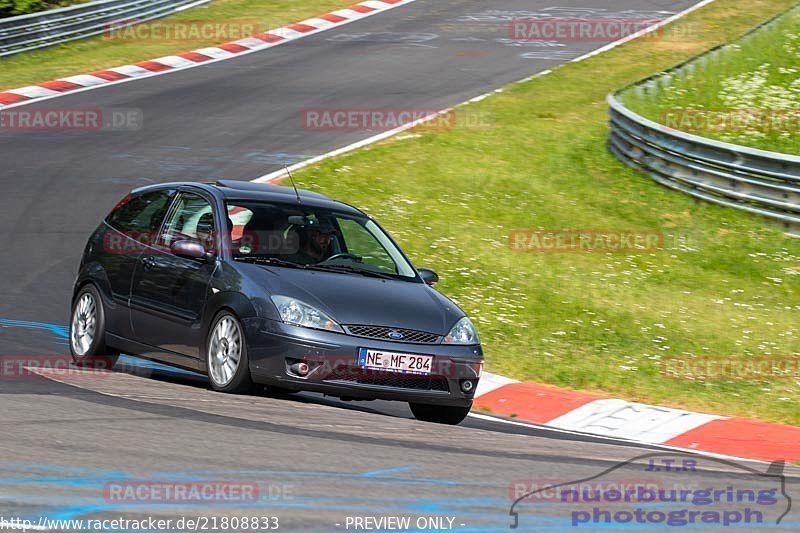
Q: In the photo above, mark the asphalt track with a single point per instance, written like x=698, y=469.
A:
x=316, y=461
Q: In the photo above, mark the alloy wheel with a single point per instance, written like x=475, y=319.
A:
x=84, y=324
x=225, y=350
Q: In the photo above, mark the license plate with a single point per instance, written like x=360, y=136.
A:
x=405, y=363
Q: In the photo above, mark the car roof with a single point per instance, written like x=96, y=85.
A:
x=264, y=192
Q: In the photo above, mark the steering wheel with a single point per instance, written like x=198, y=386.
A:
x=355, y=258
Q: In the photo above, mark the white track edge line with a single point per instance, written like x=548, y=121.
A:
x=613, y=440
x=645, y=31
x=350, y=147
x=376, y=138
x=209, y=62
x=390, y=133
x=479, y=416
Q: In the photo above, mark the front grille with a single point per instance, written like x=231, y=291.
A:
x=428, y=383
x=393, y=334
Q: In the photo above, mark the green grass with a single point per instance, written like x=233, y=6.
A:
x=87, y=55
x=12, y=8
x=727, y=286
x=587, y=321
x=758, y=74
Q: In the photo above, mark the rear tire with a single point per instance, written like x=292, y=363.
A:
x=87, y=331
x=440, y=414
x=226, y=356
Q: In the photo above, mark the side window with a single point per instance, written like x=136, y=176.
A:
x=192, y=219
x=140, y=214
x=360, y=242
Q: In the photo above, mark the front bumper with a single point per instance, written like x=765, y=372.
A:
x=273, y=347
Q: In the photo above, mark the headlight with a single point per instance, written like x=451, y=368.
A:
x=298, y=313
x=462, y=333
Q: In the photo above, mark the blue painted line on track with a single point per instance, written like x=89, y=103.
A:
x=385, y=471
x=497, y=522
x=57, y=329
x=62, y=332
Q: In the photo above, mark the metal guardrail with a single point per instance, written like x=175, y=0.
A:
x=48, y=28
x=760, y=182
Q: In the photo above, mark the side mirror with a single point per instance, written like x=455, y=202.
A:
x=189, y=249
x=429, y=276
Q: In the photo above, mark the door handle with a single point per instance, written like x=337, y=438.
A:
x=148, y=263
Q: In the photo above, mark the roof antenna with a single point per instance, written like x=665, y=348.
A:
x=296, y=192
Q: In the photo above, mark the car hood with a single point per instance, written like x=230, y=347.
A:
x=355, y=299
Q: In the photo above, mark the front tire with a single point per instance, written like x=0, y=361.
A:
x=226, y=355
x=87, y=331
x=440, y=414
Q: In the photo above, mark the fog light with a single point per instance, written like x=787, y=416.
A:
x=301, y=369
x=467, y=385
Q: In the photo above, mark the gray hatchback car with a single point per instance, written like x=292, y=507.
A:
x=263, y=284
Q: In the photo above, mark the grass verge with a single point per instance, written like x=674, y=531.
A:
x=725, y=286
x=13, y=8
x=750, y=95
x=95, y=53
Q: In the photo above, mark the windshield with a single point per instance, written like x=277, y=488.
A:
x=293, y=235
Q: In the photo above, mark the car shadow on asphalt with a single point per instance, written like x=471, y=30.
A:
x=146, y=369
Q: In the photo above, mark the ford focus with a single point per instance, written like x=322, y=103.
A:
x=256, y=284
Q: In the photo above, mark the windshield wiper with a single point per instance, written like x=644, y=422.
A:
x=269, y=261
x=346, y=269
x=352, y=270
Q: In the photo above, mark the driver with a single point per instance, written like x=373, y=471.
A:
x=315, y=243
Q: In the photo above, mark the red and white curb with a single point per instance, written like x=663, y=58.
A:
x=526, y=402
x=202, y=56
x=584, y=413
x=581, y=412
